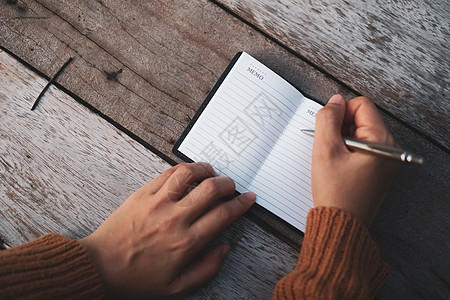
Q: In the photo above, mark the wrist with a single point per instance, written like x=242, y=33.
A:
x=94, y=256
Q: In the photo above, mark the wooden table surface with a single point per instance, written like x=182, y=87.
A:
x=146, y=66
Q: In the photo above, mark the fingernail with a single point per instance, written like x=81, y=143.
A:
x=336, y=99
x=251, y=197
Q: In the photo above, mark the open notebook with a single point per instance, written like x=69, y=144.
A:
x=249, y=129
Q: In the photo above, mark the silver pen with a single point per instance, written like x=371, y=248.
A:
x=380, y=149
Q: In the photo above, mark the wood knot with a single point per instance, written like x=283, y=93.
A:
x=112, y=75
x=22, y=7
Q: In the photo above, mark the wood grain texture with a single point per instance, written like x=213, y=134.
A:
x=412, y=226
x=395, y=52
x=171, y=54
x=64, y=169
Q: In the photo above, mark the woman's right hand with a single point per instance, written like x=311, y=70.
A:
x=353, y=181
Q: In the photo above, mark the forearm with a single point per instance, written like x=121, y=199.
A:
x=50, y=267
x=338, y=260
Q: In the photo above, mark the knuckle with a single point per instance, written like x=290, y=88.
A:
x=382, y=135
x=183, y=243
x=210, y=186
x=186, y=169
x=225, y=215
x=216, y=186
x=208, y=168
x=363, y=99
x=230, y=183
x=202, y=231
x=324, y=113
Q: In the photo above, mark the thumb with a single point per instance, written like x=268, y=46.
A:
x=329, y=122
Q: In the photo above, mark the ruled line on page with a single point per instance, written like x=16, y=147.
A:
x=270, y=155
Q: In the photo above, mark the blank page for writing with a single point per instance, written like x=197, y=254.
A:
x=239, y=130
x=284, y=181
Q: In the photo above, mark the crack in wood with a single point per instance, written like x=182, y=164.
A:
x=104, y=49
x=151, y=50
x=53, y=79
x=256, y=15
x=114, y=76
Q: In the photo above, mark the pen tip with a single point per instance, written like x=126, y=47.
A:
x=308, y=132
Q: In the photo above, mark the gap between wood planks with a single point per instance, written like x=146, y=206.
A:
x=94, y=110
x=66, y=169
x=257, y=214
x=332, y=77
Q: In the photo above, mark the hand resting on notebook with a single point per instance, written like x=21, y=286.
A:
x=149, y=246
x=352, y=181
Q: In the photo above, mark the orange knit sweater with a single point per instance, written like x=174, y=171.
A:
x=338, y=260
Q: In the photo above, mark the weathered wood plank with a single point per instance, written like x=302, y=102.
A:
x=196, y=38
x=64, y=169
x=395, y=52
x=169, y=59
x=413, y=225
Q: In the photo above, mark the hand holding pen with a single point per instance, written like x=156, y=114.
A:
x=351, y=181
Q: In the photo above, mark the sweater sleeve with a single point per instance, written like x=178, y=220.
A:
x=50, y=267
x=338, y=260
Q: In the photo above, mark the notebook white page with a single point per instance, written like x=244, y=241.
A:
x=250, y=131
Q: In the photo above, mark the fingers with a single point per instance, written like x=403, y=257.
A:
x=362, y=111
x=329, y=122
x=154, y=185
x=200, y=272
x=209, y=225
x=184, y=178
x=205, y=194
x=366, y=122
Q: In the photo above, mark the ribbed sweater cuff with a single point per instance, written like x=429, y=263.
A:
x=50, y=267
x=338, y=260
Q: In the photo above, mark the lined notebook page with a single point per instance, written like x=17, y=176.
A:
x=247, y=127
x=283, y=183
